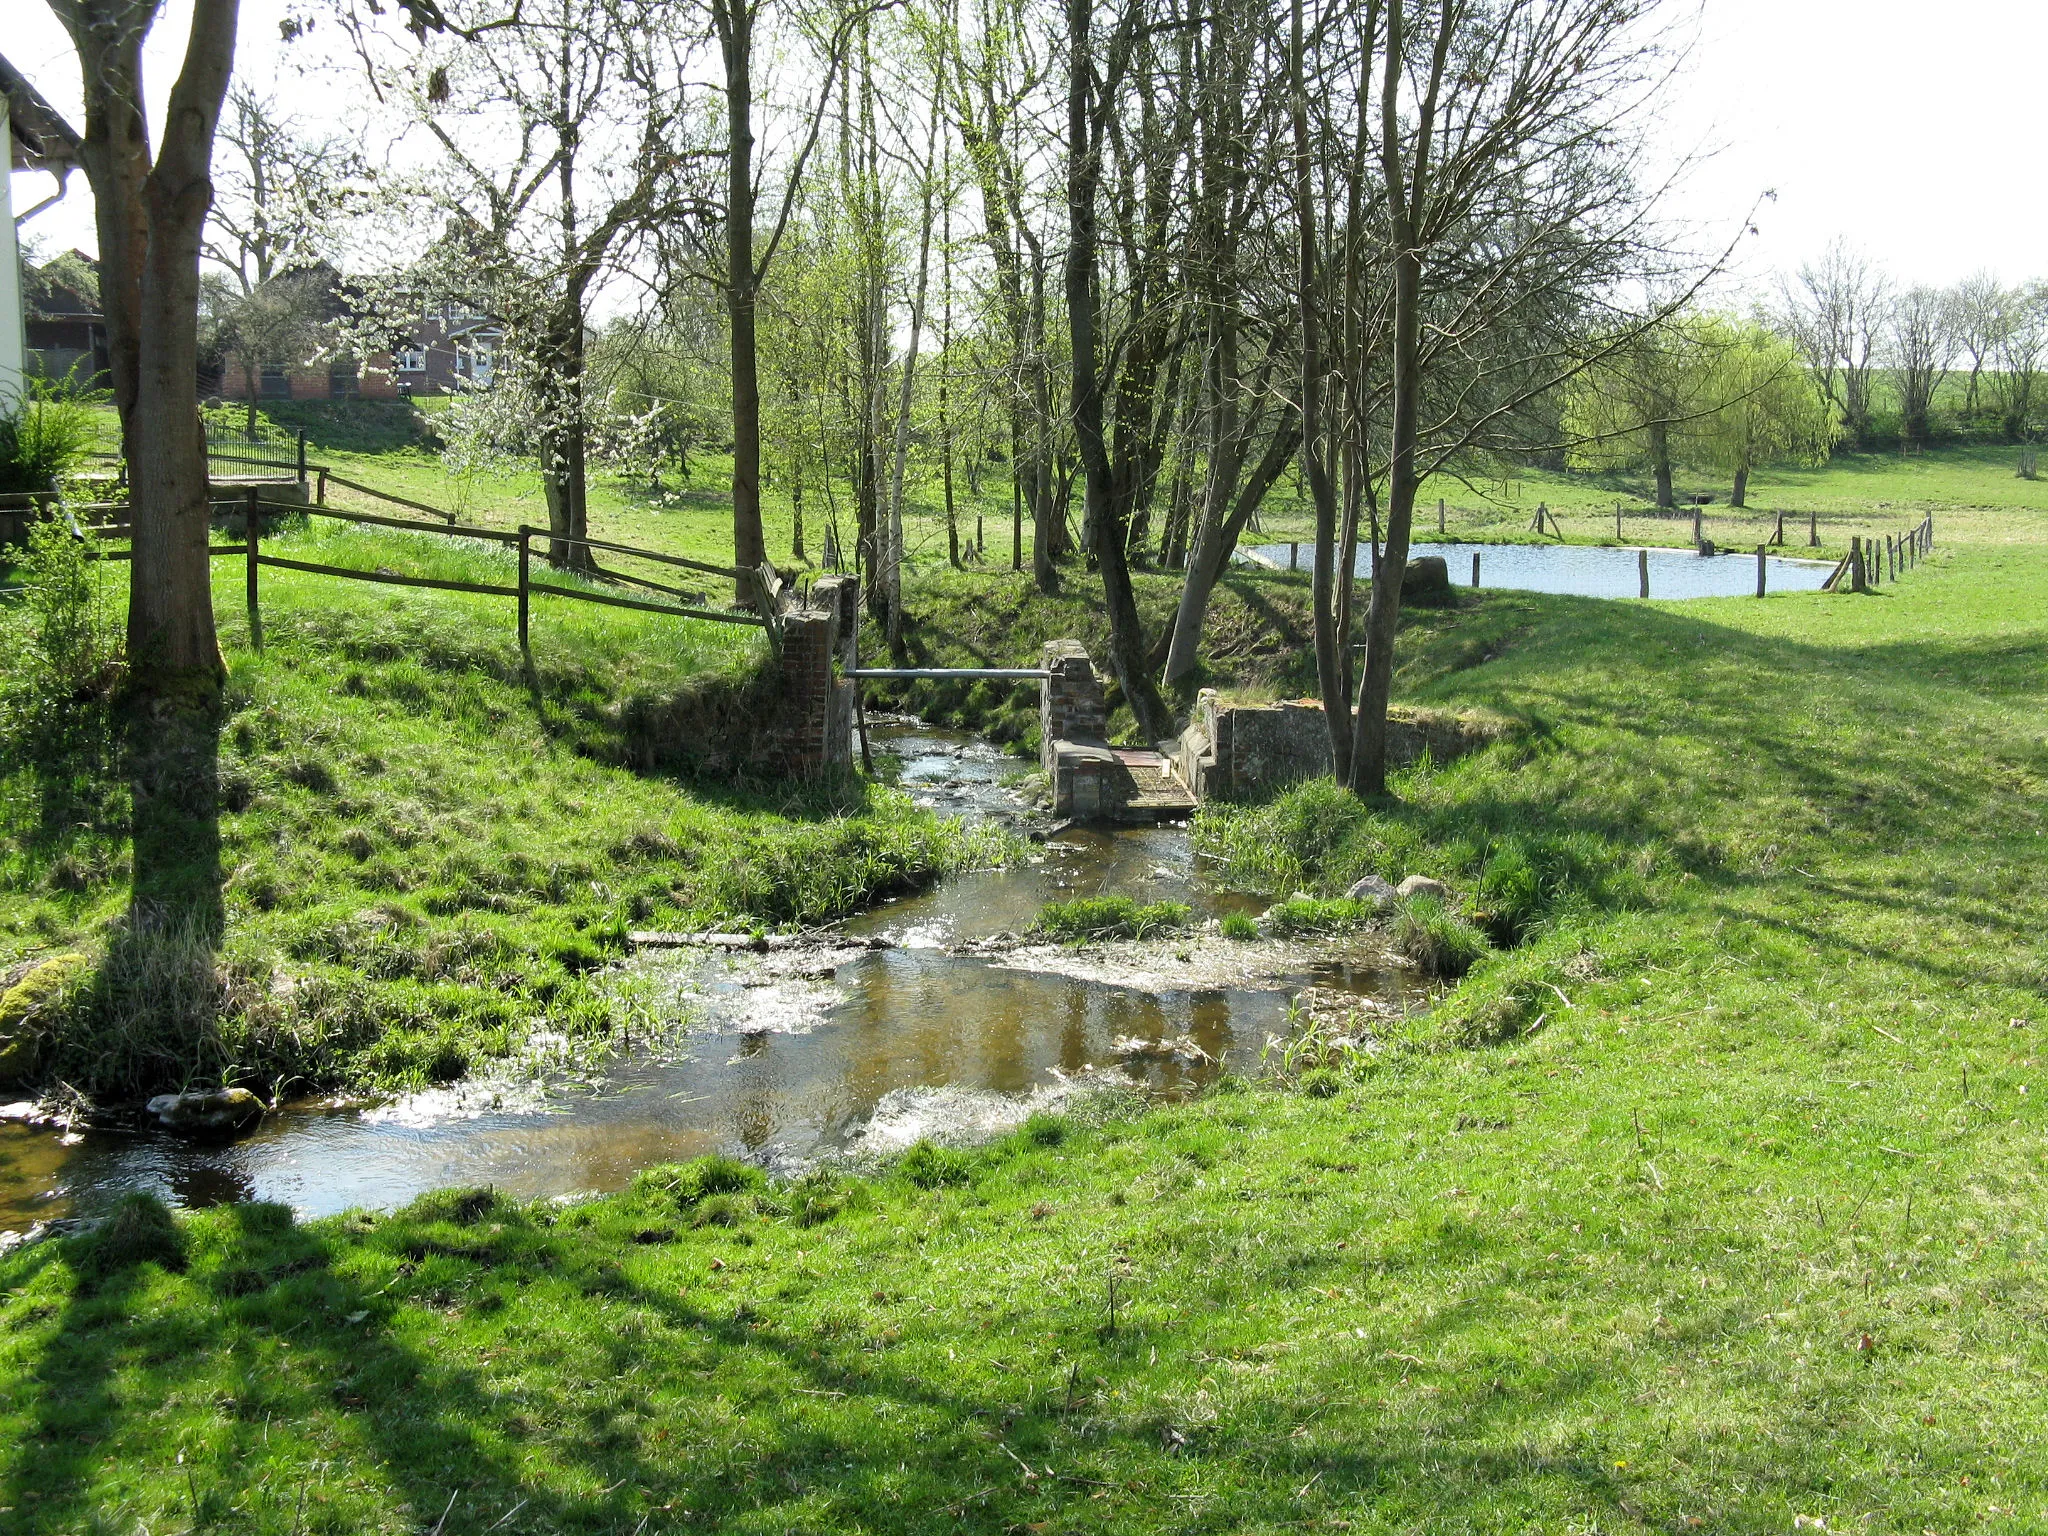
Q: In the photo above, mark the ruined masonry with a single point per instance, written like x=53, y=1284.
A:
x=1091, y=780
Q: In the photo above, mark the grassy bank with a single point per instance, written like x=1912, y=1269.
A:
x=1711, y=1200
x=395, y=852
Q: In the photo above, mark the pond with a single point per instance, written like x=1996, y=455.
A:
x=791, y=1055
x=1585, y=570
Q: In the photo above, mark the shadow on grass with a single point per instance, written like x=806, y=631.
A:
x=533, y=1385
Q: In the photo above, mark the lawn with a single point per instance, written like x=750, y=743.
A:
x=1712, y=1200
x=404, y=851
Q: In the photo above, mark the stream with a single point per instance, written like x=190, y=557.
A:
x=952, y=1030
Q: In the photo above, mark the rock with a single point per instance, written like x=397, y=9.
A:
x=22, y=1006
x=215, y=1112
x=1707, y=547
x=1374, y=890
x=1426, y=583
x=1422, y=885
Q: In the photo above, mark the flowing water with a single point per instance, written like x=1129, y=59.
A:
x=1584, y=570
x=795, y=1054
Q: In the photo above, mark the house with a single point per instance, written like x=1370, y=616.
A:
x=450, y=347
x=66, y=331
x=37, y=139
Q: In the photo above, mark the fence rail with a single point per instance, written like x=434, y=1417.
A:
x=763, y=584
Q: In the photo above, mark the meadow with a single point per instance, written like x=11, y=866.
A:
x=1711, y=1199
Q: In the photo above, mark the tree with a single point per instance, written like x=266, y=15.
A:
x=1976, y=308
x=282, y=319
x=1767, y=409
x=1836, y=311
x=557, y=138
x=151, y=211
x=278, y=193
x=2022, y=347
x=1922, y=334
x=1648, y=403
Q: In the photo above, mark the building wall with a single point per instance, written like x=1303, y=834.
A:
x=13, y=337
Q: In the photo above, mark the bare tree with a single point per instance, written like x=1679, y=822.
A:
x=1837, y=310
x=1923, y=345
x=1976, y=308
x=2022, y=350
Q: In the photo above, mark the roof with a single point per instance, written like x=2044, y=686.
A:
x=42, y=140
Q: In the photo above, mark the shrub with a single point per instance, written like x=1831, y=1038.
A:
x=70, y=644
x=1442, y=944
x=41, y=440
x=1109, y=917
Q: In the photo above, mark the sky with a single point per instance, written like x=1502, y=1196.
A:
x=1915, y=133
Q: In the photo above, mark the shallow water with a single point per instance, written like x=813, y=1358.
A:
x=1580, y=570
x=782, y=1057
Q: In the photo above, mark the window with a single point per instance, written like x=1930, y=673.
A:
x=277, y=383
x=481, y=358
x=410, y=359
x=342, y=381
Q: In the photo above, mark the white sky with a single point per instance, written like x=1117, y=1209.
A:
x=1914, y=131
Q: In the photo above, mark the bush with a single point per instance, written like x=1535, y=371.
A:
x=70, y=645
x=1109, y=917
x=42, y=440
x=1442, y=944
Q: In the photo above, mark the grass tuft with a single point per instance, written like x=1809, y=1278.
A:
x=1109, y=917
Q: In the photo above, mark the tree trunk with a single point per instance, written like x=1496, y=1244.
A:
x=1660, y=462
x=150, y=220
x=1739, y=497
x=1126, y=634
x=734, y=20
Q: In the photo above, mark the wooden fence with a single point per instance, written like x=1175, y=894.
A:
x=763, y=583
x=1870, y=563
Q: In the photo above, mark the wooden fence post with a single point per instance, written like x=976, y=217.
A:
x=1779, y=536
x=1617, y=522
x=1760, y=570
x=320, y=498
x=1813, y=530
x=252, y=518
x=1642, y=573
x=1439, y=517
x=525, y=588
x=1857, y=583
x=1696, y=530
x=1475, y=570
x=1293, y=554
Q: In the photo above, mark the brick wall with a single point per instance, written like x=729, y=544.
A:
x=809, y=730
x=1071, y=706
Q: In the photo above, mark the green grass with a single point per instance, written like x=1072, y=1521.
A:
x=1109, y=917
x=417, y=852
x=1711, y=1199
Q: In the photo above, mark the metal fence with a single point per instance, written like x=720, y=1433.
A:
x=235, y=456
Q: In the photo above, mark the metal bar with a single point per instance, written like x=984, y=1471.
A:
x=1019, y=673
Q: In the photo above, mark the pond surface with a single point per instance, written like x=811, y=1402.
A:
x=1584, y=570
x=786, y=1056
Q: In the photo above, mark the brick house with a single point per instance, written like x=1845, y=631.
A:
x=451, y=347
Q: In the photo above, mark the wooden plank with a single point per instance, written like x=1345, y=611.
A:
x=1020, y=674
x=641, y=606
x=389, y=578
x=211, y=549
x=731, y=573
x=398, y=501
x=445, y=530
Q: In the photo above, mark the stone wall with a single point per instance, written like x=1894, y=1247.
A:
x=809, y=729
x=1239, y=748
x=1071, y=706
